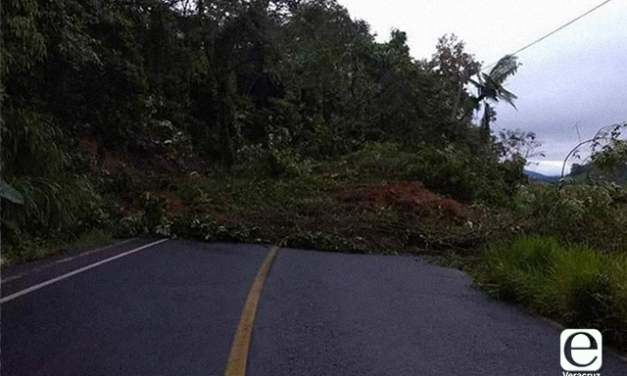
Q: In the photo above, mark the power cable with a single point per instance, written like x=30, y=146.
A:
x=554, y=31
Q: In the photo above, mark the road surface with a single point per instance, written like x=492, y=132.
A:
x=174, y=308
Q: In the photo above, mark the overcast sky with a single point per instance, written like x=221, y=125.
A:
x=577, y=76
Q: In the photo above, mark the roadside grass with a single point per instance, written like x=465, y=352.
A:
x=34, y=249
x=574, y=284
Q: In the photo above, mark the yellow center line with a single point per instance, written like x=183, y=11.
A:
x=241, y=344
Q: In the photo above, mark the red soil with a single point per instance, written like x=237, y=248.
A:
x=175, y=205
x=409, y=197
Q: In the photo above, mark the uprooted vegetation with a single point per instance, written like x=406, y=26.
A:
x=338, y=206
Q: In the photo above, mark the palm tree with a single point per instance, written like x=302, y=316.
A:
x=491, y=88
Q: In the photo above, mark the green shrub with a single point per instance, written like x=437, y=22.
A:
x=151, y=220
x=273, y=162
x=451, y=171
x=595, y=214
x=51, y=205
x=286, y=163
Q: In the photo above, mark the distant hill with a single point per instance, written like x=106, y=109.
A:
x=536, y=176
x=581, y=172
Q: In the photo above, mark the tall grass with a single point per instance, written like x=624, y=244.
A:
x=577, y=285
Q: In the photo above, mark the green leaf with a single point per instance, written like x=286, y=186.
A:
x=11, y=194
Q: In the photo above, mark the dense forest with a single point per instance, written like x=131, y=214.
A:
x=289, y=122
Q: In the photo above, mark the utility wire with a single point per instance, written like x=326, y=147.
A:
x=554, y=31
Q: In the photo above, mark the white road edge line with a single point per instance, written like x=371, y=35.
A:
x=77, y=271
x=67, y=259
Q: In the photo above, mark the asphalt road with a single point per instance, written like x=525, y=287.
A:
x=174, y=309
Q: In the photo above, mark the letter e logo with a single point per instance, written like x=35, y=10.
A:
x=582, y=350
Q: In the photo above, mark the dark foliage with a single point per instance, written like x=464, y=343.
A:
x=92, y=90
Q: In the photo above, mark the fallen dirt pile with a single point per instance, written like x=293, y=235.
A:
x=409, y=197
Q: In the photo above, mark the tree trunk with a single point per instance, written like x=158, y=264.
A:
x=458, y=98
